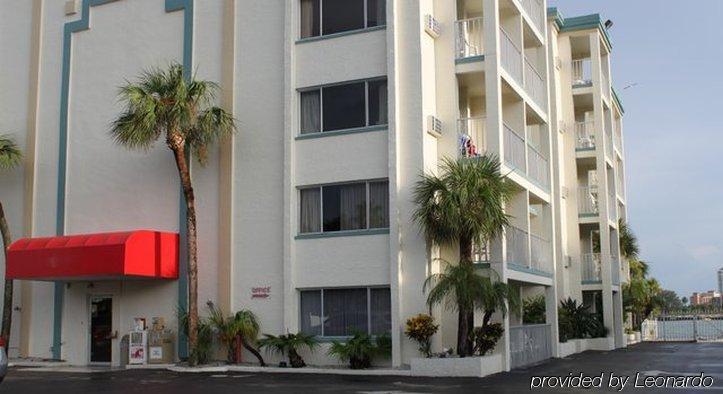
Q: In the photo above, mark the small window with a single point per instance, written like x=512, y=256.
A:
x=343, y=312
x=354, y=206
x=323, y=17
x=344, y=106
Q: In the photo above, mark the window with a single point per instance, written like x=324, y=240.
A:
x=352, y=206
x=344, y=106
x=323, y=17
x=342, y=312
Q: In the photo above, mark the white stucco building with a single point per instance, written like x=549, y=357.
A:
x=305, y=216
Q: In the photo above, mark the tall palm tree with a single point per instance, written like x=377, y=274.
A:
x=10, y=157
x=629, y=248
x=163, y=104
x=463, y=206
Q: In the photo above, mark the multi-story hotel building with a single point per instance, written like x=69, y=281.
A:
x=305, y=216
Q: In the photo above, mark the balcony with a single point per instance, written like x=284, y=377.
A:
x=517, y=246
x=537, y=166
x=469, y=42
x=591, y=268
x=511, y=56
x=615, y=263
x=612, y=205
x=581, y=72
x=472, y=138
x=609, y=143
x=584, y=135
x=514, y=149
x=541, y=254
x=536, y=11
x=587, y=201
x=535, y=84
x=619, y=183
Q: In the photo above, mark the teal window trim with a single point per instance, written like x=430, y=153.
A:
x=343, y=233
x=340, y=34
x=356, y=130
x=528, y=270
x=582, y=85
x=470, y=59
x=340, y=83
x=584, y=149
x=591, y=282
x=588, y=215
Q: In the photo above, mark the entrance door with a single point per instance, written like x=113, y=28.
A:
x=101, y=329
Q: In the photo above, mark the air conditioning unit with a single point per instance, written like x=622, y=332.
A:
x=431, y=26
x=71, y=7
x=434, y=126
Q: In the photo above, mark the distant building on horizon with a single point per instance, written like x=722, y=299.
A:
x=706, y=298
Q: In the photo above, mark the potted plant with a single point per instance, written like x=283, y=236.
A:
x=360, y=349
x=420, y=329
x=289, y=345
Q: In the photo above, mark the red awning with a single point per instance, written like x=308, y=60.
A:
x=133, y=254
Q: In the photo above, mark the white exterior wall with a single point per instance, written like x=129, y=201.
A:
x=247, y=195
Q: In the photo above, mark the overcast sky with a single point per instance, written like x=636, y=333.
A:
x=673, y=130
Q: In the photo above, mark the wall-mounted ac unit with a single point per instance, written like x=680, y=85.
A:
x=434, y=126
x=431, y=26
x=71, y=7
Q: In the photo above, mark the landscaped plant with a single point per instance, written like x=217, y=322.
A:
x=420, y=329
x=361, y=349
x=289, y=345
x=576, y=321
x=10, y=157
x=204, y=345
x=165, y=104
x=486, y=337
x=240, y=329
x=463, y=206
x=533, y=310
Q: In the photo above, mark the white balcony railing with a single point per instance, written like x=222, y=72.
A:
x=620, y=183
x=537, y=166
x=612, y=204
x=591, y=267
x=472, y=137
x=535, y=84
x=469, y=40
x=581, y=72
x=511, y=56
x=587, y=201
x=536, y=11
x=540, y=253
x=615, y=266
x=605, y=81
x=585, y=135
x=517, y=246
x=514, y=149
x=609, y=143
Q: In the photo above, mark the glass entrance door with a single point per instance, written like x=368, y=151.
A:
x=101, y=329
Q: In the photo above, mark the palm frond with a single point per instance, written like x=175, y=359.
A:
x=628, y=241
x=10, y=155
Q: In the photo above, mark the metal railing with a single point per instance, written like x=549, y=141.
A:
x=591, y=267
x=517, y=246
x=469, y=41
x=537, y=166
x=514, y=149
x=683, y=328
x=540, y=254
x=587, y=201
x=585, y=135
x=535, y=84
x=581, y=72
x=612, y=204
x=536, y=11
x=511, y=56
x=472, y=137
x=529, y=344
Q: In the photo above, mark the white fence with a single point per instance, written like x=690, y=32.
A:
x=683, y=328
x=529, y=344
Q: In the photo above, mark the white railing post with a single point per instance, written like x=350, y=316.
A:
x=469, y=41
x=588, y=200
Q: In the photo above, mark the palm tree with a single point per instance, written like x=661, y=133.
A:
x=10, y=157
x=629, y=248
x=463, y=206
x=289, y=345
x=462, y=287
x=240, y=329
x=163, y=104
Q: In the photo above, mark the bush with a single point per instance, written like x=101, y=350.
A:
x=202, y=353
x=533, y=310
x=361, y=349
x=289, y=345
x=576, y=321
x=420, y=329
x=486, y=337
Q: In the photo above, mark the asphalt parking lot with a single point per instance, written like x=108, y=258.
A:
x=648, y=360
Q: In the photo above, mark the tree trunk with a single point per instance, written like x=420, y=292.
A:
x=465, y=330
x=8, y=294
x=462, y=332
x=179, y=152
x=254, y=352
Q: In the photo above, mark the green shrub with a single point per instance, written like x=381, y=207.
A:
x=576, y=321
x=486, y=337
x=202, y=353
x=420, y=329
x=289, y=345
x=533, y=310
x=360, y=349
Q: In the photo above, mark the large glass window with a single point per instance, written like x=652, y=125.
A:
x=344, y=106
x=352, y=206
x=322, y=17
x=342, y=312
